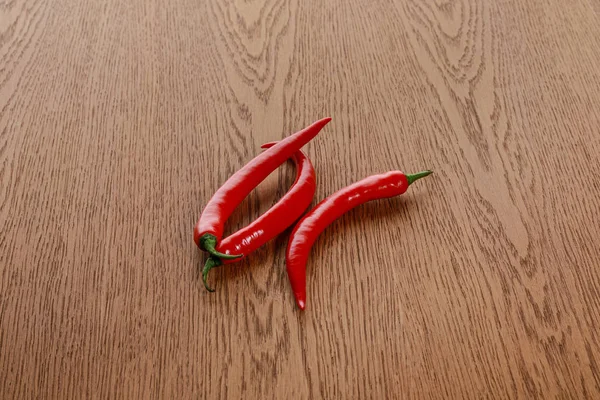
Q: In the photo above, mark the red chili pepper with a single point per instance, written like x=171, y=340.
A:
x=309, y=228
x=209, y=228
x=277, y=219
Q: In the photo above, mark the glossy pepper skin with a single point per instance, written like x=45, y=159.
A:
x=277, y=219
x=309, y=228
x=209, y=228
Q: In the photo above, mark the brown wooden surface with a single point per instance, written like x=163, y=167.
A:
x=119, y=119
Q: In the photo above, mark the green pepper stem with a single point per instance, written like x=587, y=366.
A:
x=210, y=264
x=413, y=177
x=208, y=242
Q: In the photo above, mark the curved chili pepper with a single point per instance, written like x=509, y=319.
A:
x=209, y=228
x=277, y=219
x=309, y=228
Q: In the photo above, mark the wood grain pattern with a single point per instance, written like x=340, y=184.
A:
x=119, y=119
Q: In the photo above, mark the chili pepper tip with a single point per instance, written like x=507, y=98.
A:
x=268, y=145
x=413, y=177
x=322, y=122
x=301, y=304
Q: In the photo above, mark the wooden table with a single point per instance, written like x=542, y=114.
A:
x=120, y=119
